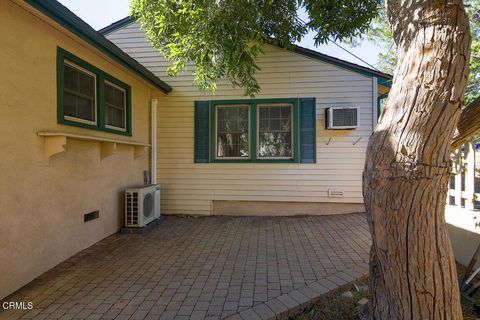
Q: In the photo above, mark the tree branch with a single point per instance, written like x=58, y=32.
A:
x=468, y=124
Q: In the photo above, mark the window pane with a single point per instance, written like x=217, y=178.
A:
x=275, y=131
x=109, y=94
x=70, y=77
x=119, y=98
x=70, y=105
x=115, y=106
x=86, y=84
x=232, y=131
x=79, y=94
x=85, y=109
x=115, y=117
x=452, y=181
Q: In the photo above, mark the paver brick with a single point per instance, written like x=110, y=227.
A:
x=277, y=307
x=206, y=268
x=263, y=311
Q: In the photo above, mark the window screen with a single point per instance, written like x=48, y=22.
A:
x=79, y=93
x=115, y=100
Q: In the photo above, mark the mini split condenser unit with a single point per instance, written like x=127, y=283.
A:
x=142, y=205
x=343, y=117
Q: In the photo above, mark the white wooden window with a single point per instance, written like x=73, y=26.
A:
x=80, y=94
x=275, y=131
x=232, y=131
x=115, y=106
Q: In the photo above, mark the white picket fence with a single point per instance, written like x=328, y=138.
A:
x=462, y=212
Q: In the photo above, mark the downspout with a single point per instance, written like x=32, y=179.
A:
x=375, y=102
x=153, y=138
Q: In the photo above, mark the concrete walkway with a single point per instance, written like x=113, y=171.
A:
x=204, y=268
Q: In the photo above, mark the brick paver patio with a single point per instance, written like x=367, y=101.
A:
x=204, y=268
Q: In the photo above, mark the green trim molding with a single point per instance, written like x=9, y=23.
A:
x=379, y=104
x=117, y=25
x=63, y=55
x=61, y=15
x=384, y=79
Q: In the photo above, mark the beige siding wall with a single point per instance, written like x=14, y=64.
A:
x=42, y=206
x=190, y=188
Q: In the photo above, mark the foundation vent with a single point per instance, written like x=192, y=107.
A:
x=335, y=194
x=91, y=216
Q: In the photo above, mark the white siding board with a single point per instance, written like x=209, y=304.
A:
x=189, y=188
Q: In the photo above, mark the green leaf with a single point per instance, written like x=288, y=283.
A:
x=223, y=38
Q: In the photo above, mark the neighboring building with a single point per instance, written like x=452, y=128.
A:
x=463, y=201
x=77, y=129
x=318, y=171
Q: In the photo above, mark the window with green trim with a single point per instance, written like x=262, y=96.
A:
x=90, y=98
x=262, y=130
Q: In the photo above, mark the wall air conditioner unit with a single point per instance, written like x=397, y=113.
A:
x=142, y=205
x=343, y=117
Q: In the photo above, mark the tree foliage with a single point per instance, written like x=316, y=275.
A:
x=381, y=34
x=223, y=38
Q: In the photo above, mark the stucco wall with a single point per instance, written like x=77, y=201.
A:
x=192, y=188
x=42, y=207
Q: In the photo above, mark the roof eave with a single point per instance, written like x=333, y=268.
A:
x=116, y=25
x=384, y=78
x=58, y=13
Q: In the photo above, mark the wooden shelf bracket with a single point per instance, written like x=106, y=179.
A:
x=56, y=142
x=54, y=145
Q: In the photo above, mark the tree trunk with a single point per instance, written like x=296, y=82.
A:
x=412, y=268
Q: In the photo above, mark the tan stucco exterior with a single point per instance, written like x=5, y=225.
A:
x=42, y=206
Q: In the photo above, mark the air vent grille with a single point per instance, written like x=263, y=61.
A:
x=132, y=209
x=335, y=193
x=344, y=117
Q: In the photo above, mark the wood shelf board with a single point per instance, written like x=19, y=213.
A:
x=91, y=138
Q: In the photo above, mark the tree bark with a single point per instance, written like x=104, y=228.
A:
x=412, y=268
x=468, y=124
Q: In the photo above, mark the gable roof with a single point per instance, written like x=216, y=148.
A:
x=61, y=15
x=383, y=78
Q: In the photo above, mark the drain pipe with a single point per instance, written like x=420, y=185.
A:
x=153, y=149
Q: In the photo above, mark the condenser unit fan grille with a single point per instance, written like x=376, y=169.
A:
x=344, y=117
x=148, y=205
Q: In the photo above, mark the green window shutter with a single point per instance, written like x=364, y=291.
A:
x=308, y=146
x=201, y=131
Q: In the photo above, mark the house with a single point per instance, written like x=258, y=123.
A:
x=83, y=117
x=314, y=171
x=463, y=201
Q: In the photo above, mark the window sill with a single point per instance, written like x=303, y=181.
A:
x=78, y=124
x=254, y=161
x=56, y=142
